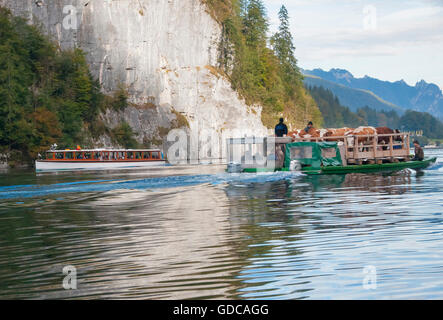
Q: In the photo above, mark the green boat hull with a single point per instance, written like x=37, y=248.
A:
x=364, y=168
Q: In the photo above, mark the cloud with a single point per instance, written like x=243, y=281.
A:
x=321, y=53
x=394, y=31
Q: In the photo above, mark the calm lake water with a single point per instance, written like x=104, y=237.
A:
x=200, y=233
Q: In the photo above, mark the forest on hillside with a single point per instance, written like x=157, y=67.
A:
x=336, y=116
x=262, y=68
x=47, y=95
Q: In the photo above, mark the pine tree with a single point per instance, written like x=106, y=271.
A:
x=83, y=87
x=243, y=7
x=255, y=24
x=284, y=48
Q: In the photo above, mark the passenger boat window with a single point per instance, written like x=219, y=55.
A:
x=301, y=152
x=138, y=155
x=97, y=156
x=79, y=155
x=328, y=153
x=59, y=156
x=88, y=155
x=130, y=155
x=121, y=156
x=105, y=155
x=146, y=155
x=155, y=155
x=69, y=155
x=49, y=156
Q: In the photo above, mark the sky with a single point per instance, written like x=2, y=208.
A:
x=390, y=40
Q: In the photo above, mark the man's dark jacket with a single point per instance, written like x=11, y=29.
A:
x=419, y=154
x=281, y=129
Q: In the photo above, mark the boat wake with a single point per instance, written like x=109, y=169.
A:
x=31, y=191
x=437, y=166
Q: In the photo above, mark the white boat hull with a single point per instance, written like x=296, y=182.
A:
x=99, y=165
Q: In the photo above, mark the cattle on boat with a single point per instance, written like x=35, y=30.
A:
x=368, y=135
x=294, y=134
x=340, y=132
x=398, y=138
x=302, y=134
x=364, y=132
x=382, y=131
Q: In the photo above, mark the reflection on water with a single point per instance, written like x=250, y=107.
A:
x=196, y=232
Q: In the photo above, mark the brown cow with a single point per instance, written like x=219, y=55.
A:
x=312, y=133
x=301, y=134
x=336, y=133
x=362, y=131
x=320, y=133
x=384, y=130
x=294, y=134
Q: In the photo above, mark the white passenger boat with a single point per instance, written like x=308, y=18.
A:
x=97, y=159
x=431, y=146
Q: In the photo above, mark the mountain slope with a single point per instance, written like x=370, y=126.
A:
x=334, y=114
x=425, y=97
x=350, y=97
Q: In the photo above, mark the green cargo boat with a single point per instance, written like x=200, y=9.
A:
x=325, y=158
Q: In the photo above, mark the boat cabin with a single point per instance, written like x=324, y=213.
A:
x=104, y=155
x=313, y=155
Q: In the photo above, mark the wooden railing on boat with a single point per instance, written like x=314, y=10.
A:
x=357, y=148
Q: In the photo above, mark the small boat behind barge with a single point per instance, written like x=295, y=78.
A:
x=99, y=159
x=343, y=155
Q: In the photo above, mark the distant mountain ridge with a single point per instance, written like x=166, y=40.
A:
x=398, y=95
x=352, y=98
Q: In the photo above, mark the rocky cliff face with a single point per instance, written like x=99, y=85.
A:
x=163, y=51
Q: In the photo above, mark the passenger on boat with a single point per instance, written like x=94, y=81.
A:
x=419, y=154
x=310, y=125
x=281, y=129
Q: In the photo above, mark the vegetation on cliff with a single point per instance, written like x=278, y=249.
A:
x=263, y=69
x=47, y=96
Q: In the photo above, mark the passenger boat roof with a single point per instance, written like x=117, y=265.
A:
x=107, y=150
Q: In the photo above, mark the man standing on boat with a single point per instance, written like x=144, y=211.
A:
x=419, y=154
x=281, y=129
